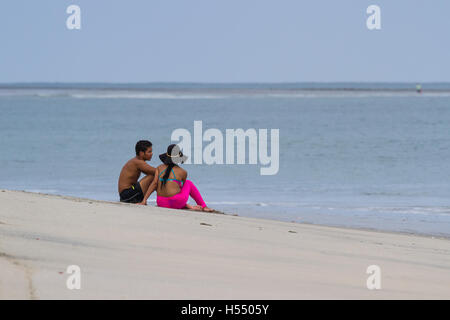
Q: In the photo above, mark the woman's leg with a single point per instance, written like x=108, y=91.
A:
x=180, y=200
x=189, y=189
x=194, y=208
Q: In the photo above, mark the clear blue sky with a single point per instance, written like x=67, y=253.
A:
x=224, y=41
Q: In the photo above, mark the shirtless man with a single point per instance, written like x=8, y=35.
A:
x=130, y=190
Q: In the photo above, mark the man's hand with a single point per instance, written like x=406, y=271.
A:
x=143, y=203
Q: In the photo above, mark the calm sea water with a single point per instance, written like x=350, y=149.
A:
x=358, y=155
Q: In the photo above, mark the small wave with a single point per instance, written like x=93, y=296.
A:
x=242, y=203
x=107, y=94
x=230, y=203
x=143, y=96
x=183, y=96
x=416, y=210
x=261, y=204
x=440, y=211
x=46, y=191
x=168, y=93
x=51, y=95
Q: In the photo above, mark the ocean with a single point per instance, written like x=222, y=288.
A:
x=360, y=155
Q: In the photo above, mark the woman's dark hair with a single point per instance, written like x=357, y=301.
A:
x=142, y=145
x=170, y=165
x=167, y=173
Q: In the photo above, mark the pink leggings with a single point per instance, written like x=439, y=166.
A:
x=179, y=200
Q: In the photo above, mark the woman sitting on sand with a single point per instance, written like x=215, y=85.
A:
x=172, y=188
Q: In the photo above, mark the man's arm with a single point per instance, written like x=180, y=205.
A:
x=145, y=168
x=151, y=188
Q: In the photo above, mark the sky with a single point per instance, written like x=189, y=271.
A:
x=224, y=41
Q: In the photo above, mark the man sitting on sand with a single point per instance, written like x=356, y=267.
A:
x=130, y=189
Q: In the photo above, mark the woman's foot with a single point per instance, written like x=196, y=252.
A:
x=206, y=209
x=194, y=208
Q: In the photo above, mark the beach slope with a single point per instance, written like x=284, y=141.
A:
x=135, y=252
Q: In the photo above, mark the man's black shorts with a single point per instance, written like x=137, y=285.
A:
x=133, y=194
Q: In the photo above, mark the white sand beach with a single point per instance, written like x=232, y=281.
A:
x=134, y=252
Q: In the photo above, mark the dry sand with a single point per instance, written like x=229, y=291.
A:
x=134, y=252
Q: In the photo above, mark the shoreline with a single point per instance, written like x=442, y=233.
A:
x=74, y=198
x=126, y=251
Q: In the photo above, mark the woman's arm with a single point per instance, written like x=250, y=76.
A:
x=151, y=188
x=184, y=176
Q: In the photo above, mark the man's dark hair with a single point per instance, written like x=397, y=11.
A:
x=142, y=145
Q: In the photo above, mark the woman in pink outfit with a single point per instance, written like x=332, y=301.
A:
x=172, y=187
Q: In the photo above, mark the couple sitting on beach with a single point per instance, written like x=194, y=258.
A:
x=168, y=179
